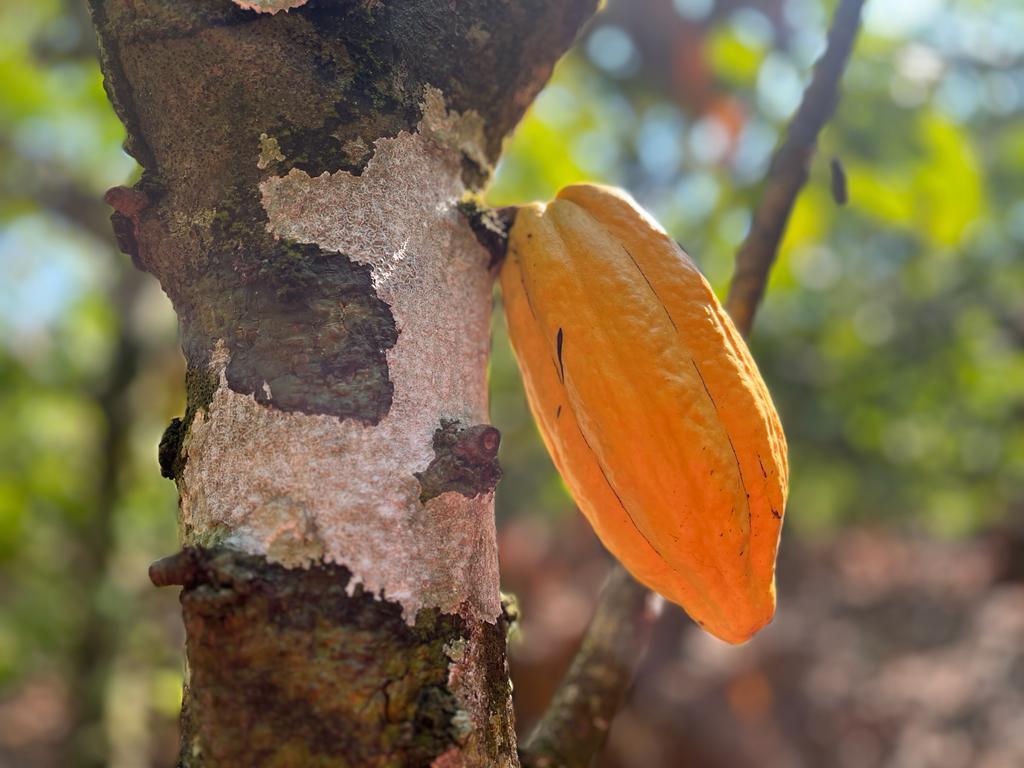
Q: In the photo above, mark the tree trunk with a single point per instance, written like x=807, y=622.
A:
x=298, y=204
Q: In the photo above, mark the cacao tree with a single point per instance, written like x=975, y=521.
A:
x=300, y=205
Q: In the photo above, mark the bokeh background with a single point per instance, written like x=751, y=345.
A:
x=892, y=338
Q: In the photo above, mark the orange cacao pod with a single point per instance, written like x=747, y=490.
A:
x=650, y=404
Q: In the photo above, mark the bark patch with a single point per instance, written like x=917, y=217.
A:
x=309, y=335
x=304, y=328
x=294, y=670
x=169, y=452
x=269, y=6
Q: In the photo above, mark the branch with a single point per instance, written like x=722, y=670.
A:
x=789, y=169
x=576, y=724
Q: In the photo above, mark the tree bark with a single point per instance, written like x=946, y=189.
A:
x=299, y=205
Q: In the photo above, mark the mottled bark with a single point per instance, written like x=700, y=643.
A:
x=329, y=674
x=299, y=205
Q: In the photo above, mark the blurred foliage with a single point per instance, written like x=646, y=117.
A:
x=82, y=507
x=891, y=336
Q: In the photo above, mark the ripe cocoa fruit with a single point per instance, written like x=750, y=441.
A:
x=650, y=404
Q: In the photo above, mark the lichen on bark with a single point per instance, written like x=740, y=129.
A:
x=394, y=219
x=269, y=6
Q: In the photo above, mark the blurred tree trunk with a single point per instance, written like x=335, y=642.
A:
x=299, y=205
x=96, y=539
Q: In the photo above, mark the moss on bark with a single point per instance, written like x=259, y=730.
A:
x=290, y=669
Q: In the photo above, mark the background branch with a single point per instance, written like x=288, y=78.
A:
x=576, y=724
x=789, y=169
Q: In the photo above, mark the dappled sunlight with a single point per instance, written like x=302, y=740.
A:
x=891, y=338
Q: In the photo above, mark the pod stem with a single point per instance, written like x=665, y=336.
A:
x=491, y=227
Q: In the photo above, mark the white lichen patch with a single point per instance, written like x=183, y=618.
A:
x=269, y=6
x=295, y=487
x=462, y=132
x=294, y=539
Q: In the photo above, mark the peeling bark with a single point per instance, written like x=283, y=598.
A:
x=300, y=206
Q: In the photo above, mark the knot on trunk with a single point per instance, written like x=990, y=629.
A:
x=194, y=566
x=465, y=461
x=128, y=205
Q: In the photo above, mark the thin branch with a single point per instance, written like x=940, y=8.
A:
x=576, y=724
x=789, y=169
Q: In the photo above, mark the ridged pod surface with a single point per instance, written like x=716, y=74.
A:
x=650, y=404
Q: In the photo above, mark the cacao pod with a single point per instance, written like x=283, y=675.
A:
x=650, y=404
